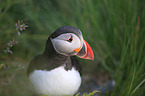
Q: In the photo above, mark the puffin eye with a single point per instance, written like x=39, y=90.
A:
x=70, y=39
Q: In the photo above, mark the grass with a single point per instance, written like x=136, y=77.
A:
x=114, y=29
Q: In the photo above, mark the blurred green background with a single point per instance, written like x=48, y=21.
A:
x=115, y=29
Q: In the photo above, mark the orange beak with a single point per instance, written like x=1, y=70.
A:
x=85, y=52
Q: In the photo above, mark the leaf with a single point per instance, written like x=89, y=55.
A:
x=89, y=94
x=2, y=66
x=78, y=94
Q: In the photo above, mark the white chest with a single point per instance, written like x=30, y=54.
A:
x=57, y=82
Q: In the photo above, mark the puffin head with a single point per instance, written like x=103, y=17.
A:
x=68, y=41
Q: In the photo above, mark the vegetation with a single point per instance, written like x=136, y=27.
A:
x=114, y=29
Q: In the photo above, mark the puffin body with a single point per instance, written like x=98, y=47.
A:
x=57, y=72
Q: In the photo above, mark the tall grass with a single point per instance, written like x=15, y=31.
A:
x=114, y=29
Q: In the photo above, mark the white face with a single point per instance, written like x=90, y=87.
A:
x=66, y=43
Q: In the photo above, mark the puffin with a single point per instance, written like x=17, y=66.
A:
x=57, y=72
